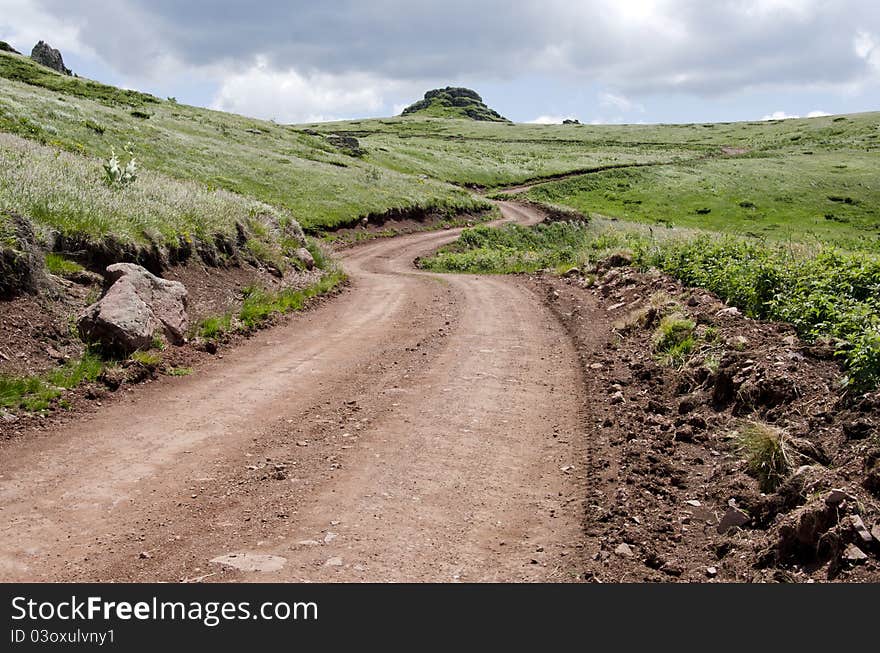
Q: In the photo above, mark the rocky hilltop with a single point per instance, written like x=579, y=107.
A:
x=45, y=54
x=453, y=102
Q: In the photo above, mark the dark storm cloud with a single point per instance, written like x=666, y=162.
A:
x=638, y=46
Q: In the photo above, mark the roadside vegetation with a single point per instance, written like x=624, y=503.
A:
x=261, y=305
x=825, y=292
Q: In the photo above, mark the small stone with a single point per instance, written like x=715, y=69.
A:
x=251, y=561
x=624, y=550
x=836, y=497
x=617, y=398
x=875, y=532
x=711, y=572
x=329, y=537
x=733, y=518
x=302, y=443
x=333, y=562
x=854, y=554
x=596, y=366
x=144, y=555
x=694, y=503
x=861, y=530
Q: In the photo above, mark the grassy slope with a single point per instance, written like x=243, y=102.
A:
x=810, y=179
x=782, y=188
x=794, y=172
x=277, y=164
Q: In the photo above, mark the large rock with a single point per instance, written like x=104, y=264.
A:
x=45, y=54
x=137, y=307
x=305, y=257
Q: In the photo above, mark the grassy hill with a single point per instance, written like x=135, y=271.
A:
x=321, y=184
x=794, y=179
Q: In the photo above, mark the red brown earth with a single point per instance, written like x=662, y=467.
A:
x=389, y=435
x=425, y=427
x=663, y=461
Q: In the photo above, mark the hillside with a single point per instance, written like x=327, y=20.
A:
x=678, y=380
x=452, y=102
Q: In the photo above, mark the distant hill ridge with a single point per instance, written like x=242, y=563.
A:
x=454, y=102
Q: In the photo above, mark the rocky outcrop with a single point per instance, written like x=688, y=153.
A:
x=348, y=144
x=138, y=307
x=454, y=102
x=5, y=47
x=305, y=257
x=46, y=55
x=22, y=270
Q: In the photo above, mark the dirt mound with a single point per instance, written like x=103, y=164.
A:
x=674, y=495
x=21, y=260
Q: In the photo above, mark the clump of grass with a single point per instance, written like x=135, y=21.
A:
x=147, y=358
x=674, y=339
x=179, y=371
x=215, y=327
x=36, y=393
x=60, y=266
x=765, y=450
x=260, y=305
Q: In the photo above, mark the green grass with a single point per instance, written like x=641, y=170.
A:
x=261, y=305
x=820, y=197
x=146, y=358
x=823, y=291
x=674, y=339
x=511, y=248
x=279, y=165
x=214, y=327
x=37, y=393
x=66, y=193
x=61, y=266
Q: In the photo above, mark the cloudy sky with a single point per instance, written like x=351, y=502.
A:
x=532, y=60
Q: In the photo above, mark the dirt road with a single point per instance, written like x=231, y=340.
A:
x=418, y=427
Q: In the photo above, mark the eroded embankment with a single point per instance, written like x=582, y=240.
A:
x=738, y=460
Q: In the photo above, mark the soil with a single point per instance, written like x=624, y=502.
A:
x=389, y=435
x=401, y=225
x=426, y=427
x=663, y=460
x=37, y=332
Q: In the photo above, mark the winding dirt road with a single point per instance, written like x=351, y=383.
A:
x=419, y=427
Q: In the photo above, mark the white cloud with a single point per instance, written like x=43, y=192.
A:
x=290, y=96
x=550, y=120
x=867, y=47
x=780, y=115
x=22, y=24
x=617, y=120
x=620, y=102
